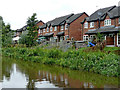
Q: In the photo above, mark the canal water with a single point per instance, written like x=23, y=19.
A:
x=21, y=74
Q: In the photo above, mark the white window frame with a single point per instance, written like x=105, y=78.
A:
x=92, y=36
x=107, y=22
x=51, y=28
x=62, y=27
x=86, y=25
x=84, y=37
x=91, y=24
x=55, y=37
x=119, y=20
x=39, y=31
x=55, y=28
x=47, y=29
x=66, y=27
x=44, y=30
x=67, y=37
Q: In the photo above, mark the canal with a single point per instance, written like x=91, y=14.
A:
x=21, y=74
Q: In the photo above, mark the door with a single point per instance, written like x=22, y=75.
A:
x=110, y=39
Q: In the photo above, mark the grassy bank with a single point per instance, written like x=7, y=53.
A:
x=97, y=62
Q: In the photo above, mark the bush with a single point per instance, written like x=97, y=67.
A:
x=97, y=62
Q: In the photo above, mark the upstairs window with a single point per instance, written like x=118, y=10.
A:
x=119, y=20
x=66, y=26
x=86, y=25
x=47, y=29
x=62, y=27
x=39, y=31
x=55, y=28
x=91, y=24
x=107, y=22
x=44, y=30
x=50, y=28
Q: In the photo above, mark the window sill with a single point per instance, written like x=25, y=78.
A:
x=107, y=25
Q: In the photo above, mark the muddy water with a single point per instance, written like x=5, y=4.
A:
x=21, y=74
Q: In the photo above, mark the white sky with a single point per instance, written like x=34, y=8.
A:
x=16, y=12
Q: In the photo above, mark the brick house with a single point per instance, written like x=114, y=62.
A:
x=105, y=21
x=24, y=30
x=64, y=27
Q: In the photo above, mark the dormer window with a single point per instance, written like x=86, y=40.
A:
x=66, y=26
x=91, y=24
x=86, y=25
x=119, y=20
x=55, y=28
x=107, y=22
x=39, y=31
x=62, y=27
x=44, y=30
x=47, y=29
x=50, y=28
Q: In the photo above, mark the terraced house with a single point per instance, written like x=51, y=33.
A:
x=105, y=21
x=63, y=28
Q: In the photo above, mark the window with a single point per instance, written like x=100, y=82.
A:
x=66, y=37
x=92, y=37
x=62, y=27
x=86, y=25
x=85, y=38
x=44, y=30
x=47, y=29
x=55, y=28
x=91, y=24
x=50, y=28
x=107, y=22
x=119, y=20
x=39, y=31
x=66, y=26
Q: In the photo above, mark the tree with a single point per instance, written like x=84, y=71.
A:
x=30, y=38
x=6, y=34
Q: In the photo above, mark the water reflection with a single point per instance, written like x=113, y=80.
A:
x=21, y=74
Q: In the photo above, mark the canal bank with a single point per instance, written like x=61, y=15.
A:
x=36, y=75
x=98, y=62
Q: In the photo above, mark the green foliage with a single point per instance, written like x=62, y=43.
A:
x=97, y=62
x=99, y=37
x=30, y=38
x=5, y=34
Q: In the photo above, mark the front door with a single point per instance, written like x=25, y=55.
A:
x=110, y=39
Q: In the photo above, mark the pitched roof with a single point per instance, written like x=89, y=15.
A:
x=57, y=21
x=115, y=12
x=40, y=21
x=101, y=12
x=104, y=29
x=74, y=17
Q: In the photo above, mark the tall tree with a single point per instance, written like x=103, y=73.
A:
x=6, y=34
x=30, y=38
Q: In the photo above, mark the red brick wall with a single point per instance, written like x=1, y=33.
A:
x=76, y=28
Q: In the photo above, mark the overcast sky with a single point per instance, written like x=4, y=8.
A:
x=16, y=12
